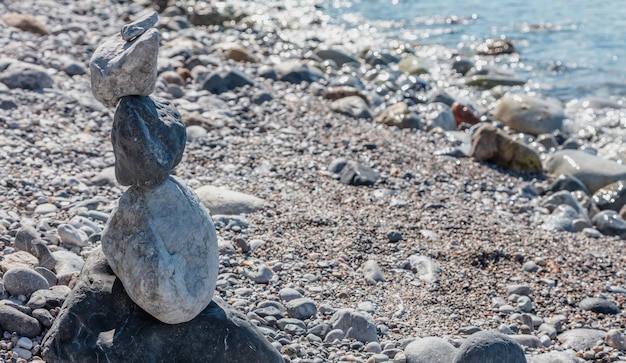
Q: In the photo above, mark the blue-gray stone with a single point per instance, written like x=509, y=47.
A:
x=599, y=305
x=489, y=347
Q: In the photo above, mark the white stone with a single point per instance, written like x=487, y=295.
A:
x=119, y=68
x=223, y=201
x=528, y=114
x=593, y=171
x=162, y=245
x=71, y=236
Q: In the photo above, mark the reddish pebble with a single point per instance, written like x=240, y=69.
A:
x=463, y=114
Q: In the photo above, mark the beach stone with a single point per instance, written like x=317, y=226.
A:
x=23, y=281
x=119, y=331
x=168, y=263
x=394, y=236
x=239, y=54
x=429, y=350
x=294, y=71
x=372, y=272
x=22, y=353
x=527, y=340
x=140, y=26
x=47, y=274
x=599, y=305
x=582, y=338
x=398, y=115
x=523, y=290
x=357, y=174
x=261, y=275
x=72, y=236
x=553, y=357
x=569, y=183
x=353, y=106
x=612, y=196
x=337, y=165
x=495, y=146
x=48, y=298
x=593, y=171
x=335, y=334
x=224, y=79
x=25, y=22
x=17, y=74
x=148, y=138
x=530, y=266
x=337, y=56
x=529, y=114
x=413, y=65
x=44, y=255
x=491, y=80
x=489, y=347
x=357, y=325
x=565, y=197
x=464, y=114
x=13, y=320
x=119, y=68
x=438, y=115
x=462, y=65
x=561, y=219
x=495, y=47
x=25, y=237
x=224, y=201
x=425, y=268
x=615, y=339
x=301, y=308
x=609, y=223
x=288, y=294
x=67, y=262
x=337, y=92
x=19, y=259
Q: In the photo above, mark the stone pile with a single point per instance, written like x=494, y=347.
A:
x=158, y=267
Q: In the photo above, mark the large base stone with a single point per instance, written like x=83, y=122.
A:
x=161, y=243
x=100, y=323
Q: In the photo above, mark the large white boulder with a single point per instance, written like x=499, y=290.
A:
x=162, y=245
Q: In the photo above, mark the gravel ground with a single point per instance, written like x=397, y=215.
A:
x=314, y=232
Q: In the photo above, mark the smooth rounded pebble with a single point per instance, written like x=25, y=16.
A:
x=24, y=281
x=489, y=347
x=599, y=305
x=429, y=350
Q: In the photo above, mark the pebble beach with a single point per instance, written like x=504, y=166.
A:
x=367, y=214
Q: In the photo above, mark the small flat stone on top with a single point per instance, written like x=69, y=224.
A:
x=139, y=26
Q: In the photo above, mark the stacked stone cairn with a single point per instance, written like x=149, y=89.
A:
x=160, y=242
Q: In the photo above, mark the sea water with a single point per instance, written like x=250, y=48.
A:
x=570, y=49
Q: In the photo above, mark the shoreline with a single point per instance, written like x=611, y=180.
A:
x=276, y=139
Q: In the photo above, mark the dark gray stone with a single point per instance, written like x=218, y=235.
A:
x=296, y=72
x=17, y=74
x=139, y=26
x=357, y=174
x=23, y=281
x=609, y=223
x=225, y=79
x=353, y=106
x=489, y=347
x=599, y=305
x=357, y=325
x=612, y=196
x=568, y=182
x=337, y=165
x=99, y=323
x=394, y=236
x=13, y=320
x=337, y=56
x=48, y=298
x=148, y=139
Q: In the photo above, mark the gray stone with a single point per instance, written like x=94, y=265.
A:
x=335, y=334
x=400, y=116
x=168, y=263
x=615, y=339
x=294, y=71
x=18, y=259
x=287, y=294
x=565, y=197
x=529, y=114
x=527, y=340
x=337, y=56
x=426, y=269
x=599, y=305
x=439, y=115
x=301, y=308
x=394, y=236
x=148, y=138
x=561, y=219
x=356, y=325
x=357, y=174
x=223, y=201
x=67, y=262
x=44, y=317
x=25, y=237
x=612, y=196
x=593, y=171
x=47, y=274
x=489, y=347
x=518, y=290
x=530, y=266
x=72, y=236
x=99, y=322
x=138, y=27
x=13, y=320
x=372, y=272
x=429, y=350
x=582, y=338
x=524, y=304
x=553, y=357
x=224, y=79
x=353, y=106
x=48, y=298
x=610, y=223
x=17, y=74
x=119, y=68
x=261, y=275
x=23, y=281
